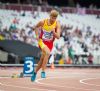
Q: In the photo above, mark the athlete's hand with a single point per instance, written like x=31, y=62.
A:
x=37, y=38
x=53, y=30
x=56, y=33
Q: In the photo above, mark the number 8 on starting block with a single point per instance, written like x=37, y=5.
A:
x=28, y=66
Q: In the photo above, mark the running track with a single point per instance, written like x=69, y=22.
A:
x=59, y=79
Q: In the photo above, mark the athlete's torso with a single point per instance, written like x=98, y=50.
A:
x=46, y=32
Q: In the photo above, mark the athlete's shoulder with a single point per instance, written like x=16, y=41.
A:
x=58, y=23
x=42, y=22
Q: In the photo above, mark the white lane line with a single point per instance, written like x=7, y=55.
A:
x=53, y=85
x=10, y=85
x=83, y=81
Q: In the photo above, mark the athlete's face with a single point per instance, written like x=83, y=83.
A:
x=52, y=19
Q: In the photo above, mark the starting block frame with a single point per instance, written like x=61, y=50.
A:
x=28, y=68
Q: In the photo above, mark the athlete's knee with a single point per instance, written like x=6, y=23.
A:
x=47, y=53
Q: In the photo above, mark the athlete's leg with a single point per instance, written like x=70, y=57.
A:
x=38, y=67
x=46, y=57
x=46, y=50
x=51, y=61
x=40, y=62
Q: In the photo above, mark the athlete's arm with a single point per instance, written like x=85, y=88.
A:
x=36, y=28
x=58, y=31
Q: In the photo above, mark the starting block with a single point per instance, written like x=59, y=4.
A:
x=28, y=67
x=14, y=75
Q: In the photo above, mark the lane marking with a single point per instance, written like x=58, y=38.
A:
x=9, y=85
x=53, y=85
x=83, y=81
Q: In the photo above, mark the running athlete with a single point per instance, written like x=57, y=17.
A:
x=50, y=29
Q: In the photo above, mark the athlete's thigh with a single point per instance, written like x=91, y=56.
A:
x=46, y=50
x=42, y=55
x=44, y=47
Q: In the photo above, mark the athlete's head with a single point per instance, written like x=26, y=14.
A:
x=53, y=15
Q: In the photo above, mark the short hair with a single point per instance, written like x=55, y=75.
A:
x=54, y=13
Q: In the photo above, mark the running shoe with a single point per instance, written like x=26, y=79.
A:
x=43, y=75
x=33, y=77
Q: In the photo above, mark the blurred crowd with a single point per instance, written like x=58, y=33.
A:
x=26, y=35
x=74, y=47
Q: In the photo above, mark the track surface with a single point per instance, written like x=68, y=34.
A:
x=59, y=79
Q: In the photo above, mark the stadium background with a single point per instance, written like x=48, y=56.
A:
x=80, y=39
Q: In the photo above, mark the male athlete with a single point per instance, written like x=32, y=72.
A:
x=50, y=29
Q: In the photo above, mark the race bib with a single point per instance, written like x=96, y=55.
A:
x=47, y=35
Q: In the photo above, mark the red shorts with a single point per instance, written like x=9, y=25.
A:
x=49, y=44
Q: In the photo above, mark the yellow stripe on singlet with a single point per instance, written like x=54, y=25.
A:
x=41, y=44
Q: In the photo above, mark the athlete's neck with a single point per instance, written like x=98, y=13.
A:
x=50, y=22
